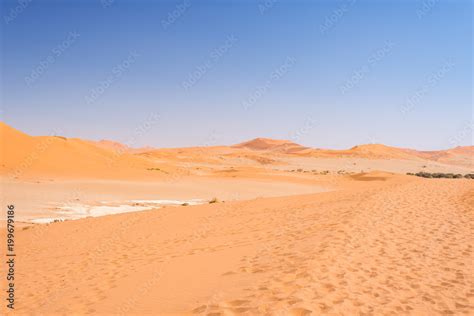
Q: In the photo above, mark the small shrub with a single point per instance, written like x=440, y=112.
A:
x=214, y=200
x=185, y=204
x=439, y=175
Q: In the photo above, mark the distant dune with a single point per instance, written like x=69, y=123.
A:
x=462, y=155
x=72, y=157
x=280, y=146
x=119, y=147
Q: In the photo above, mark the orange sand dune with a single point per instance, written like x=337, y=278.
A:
x=24, y=156
x=384, y=245
x=457, y=156
x=55, y=156
x=463, y=155
x=379, y=151
x=119, y=147
x=281, y=146
x=464, y=150
x=379, y=243
x=369, y=151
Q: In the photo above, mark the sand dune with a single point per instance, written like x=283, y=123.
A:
x=121, y=148
x=25, y=156
x=302, y=231
x=390, y=245
x=56, y=156
x=456, y=156
x=459, y=155
x=281, y=146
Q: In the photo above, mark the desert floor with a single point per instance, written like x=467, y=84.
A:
x=38, y=198
x=375, y=244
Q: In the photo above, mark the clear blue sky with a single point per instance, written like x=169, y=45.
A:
x=323, y=73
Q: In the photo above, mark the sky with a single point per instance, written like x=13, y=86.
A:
x=327, y=74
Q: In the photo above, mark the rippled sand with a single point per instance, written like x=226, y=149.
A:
x=379, y=245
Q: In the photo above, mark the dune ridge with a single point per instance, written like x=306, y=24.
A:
x=56, y=156
x=289, y=238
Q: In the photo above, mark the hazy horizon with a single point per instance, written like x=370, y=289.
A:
x=185, y=73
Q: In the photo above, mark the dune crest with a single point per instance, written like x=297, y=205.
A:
x=276, y=145
x=24, y=155
x=59, y=156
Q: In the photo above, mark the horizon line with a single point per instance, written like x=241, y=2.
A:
x=287, y=141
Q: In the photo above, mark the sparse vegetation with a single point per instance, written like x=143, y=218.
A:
x=316, y=172
x=156, y=169
x=214, y=200
x=185, y=204
x=439, y=175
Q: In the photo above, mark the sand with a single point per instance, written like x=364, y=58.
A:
x=26, y=158
x=36, y=199
x=294, y=231
x=383, y=244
